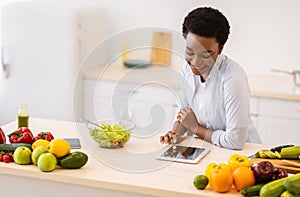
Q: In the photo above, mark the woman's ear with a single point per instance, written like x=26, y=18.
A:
x=221, y=49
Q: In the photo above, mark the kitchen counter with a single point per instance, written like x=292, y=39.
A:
x=275, y=86
x=98, y=178
x=163, y=74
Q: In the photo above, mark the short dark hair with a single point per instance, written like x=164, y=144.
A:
x=207, y=22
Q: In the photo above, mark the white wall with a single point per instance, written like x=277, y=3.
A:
x=264, y=33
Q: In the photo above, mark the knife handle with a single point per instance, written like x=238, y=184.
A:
x=278, y=148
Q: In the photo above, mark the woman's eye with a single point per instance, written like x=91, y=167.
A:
x=189, y=53
x=206, y=56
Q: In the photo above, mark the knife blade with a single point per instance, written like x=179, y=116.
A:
x=278, y=148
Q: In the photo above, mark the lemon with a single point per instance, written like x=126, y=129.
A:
x=59, y=147
x=200, y=181
x=40, y=142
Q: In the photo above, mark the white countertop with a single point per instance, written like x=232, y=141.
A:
x=162, y=74
x=174, y=179
x=275, y=86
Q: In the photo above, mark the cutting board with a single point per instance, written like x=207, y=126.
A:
x=161, y=48
x=279, y=163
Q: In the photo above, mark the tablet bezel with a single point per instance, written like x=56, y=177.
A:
x=205, y=151
x=74, y=142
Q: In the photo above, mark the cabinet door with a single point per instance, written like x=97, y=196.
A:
x=151, y=106
x=276, y=131
x=97, y=99
x=151, y=118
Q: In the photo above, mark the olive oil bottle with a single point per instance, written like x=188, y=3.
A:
x=23, y=116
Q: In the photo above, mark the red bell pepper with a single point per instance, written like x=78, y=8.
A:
x=22, y=135
x=45, y=136
x=2, y=137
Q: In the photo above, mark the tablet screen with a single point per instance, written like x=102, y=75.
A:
x=74, y=142
x=181, y=153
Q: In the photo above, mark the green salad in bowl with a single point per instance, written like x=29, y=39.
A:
x=111, y=134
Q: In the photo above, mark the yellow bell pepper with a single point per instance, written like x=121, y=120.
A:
x=213, y=167
x=237, y=160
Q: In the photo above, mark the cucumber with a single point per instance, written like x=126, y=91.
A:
x=252, y=190
x=73, y=160
x=290, y=152
x=13, y=147
x=276, y=188
x=292, y=186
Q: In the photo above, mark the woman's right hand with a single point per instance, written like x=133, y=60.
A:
x=172, y=136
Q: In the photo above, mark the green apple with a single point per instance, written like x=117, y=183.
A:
x=46, y=162
x=22, y=155
x=37, y=152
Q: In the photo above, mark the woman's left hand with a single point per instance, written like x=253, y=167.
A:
x=188, y=119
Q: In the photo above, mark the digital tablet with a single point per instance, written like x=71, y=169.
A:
x=182, y=153
x=74, y=142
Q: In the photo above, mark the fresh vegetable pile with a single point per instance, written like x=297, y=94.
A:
x=259, y=179
x=290, y=152
x=44, y=151
x=110, y=136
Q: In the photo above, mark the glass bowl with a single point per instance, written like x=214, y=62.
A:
x=111, y=133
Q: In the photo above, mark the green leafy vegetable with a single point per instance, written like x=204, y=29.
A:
x=111, y=136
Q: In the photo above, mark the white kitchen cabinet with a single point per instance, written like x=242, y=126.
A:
x=254, y=110
x=278, y=121
x=151, y=106
x=278, y=131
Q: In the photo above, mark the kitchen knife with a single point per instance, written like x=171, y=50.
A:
x=278, y=148
x=274, y=149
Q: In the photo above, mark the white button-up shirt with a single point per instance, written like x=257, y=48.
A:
x=221, y=103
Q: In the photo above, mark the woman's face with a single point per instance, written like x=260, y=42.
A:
x=201, y=53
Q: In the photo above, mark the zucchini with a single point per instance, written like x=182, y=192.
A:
x=288, y=194
x=276, y=188
x=73, y=160
x=13, y=147
x=252, y=190
x=290, y=152
x=293, y=186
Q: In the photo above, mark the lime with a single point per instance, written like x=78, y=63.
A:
x=47, y=162
x=200, y=181
x=36, y=153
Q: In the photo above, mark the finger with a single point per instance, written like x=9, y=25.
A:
x=167, y=139
x=179, y=113
x=178, y=118
x=162, y=139
x=169, y=134
x=174, y=138
x=185, y=110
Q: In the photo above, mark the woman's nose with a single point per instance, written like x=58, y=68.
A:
x=195, y=61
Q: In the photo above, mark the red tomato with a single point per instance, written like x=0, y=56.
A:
x=1, y=157
x=6, y=158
